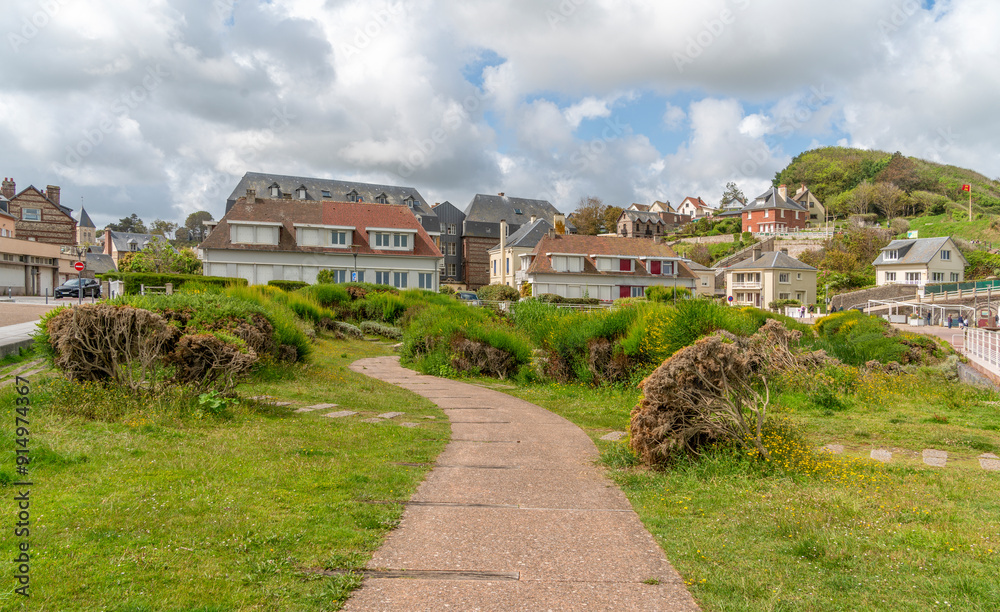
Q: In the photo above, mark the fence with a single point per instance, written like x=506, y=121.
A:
x=956, y=287
x=983, y=347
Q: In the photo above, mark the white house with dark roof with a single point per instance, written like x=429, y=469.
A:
x=288, y=239
x=602, y=267
x=505, y=258
x=118, y=243
x=770, y=276
x=920, y=262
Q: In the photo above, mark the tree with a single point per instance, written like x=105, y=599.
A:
x=701, y=255
x=160, y=258
x=589, y=216
x=890, y=199
x=732, y=192
x=195, y=221
x=862, y=197
x=159, y=227
x=610, y=216
x=132, y=224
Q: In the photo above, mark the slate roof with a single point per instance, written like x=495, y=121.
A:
x=640, y=207
x=919, y=251
x=359, y=215
x=697, y=203
x=67, y=211
x=484, y=213
x=528, y=236
x=613, y=246
x=636, y=216
x=84, y=220
x=696, y=267
x=771, y=200
x=121, y=239
x=338, y=190
x=771, y=260
x=100, y=263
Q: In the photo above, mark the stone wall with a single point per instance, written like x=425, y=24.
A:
x=721, y=239
x=55, y=227
x=887, y=292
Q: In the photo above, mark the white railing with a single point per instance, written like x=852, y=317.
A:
x=983, y=347
x=747, y=285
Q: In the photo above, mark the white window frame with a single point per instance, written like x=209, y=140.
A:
x=784, y=278
x=453, y=270
x=891, y=255
x=945, y=255
x=400, y=280
x=954, y=277
x=452, y=230
x=425, y=280
x=383, y=277
x=937, y=277
x=273, y=232
x=25, y=212
x=890, y=277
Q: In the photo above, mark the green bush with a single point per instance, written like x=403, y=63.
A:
x=498, y=293
x=327, y=296
x=286, y=285
x=378, y=329
x=446, y=290
x=662, y=293
x=381, y=306
x=287, y=330
x=856, y=338
x=134, y=281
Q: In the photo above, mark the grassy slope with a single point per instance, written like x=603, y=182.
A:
x=849, y=535
x=209, y=515
x=946, y=225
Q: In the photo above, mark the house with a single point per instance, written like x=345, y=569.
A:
x=920, y=262
x=602, y=267
x=705, y=285
x=28, y=267
x=635, y=224
x=505, y=258
x=774, y=212
x=8, y=224
x=86, y=232
x=655, y=207
x=672, y=219
x=769, y=276
x=696, y=208
x=38, y=215
x=304, y=189
x=481, y=230
x=452, y=222
x=808, y=201
x=100, y=263
x=733, y=204
x=118, y=243
x=288, y=239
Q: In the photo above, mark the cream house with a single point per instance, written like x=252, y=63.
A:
x=505, y=258
x=705, y=285
x=920, y=262
x=768, y=277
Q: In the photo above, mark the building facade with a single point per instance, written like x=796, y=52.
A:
x=38, y=215
x=505, y=258
x=808, y=201
x=920, y=262
x=774, y=212
x=696, y=208
x=770, y=276
x=452, y=223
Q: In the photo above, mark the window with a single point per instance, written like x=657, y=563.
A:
x=426, y=281
x=339, y=276
x=954, y=277
x=400, y=241
x=451, y=249
x=442, y=227
x=338, y=238
x=275, y=191
x=783, y=296
x=253, y=234
x=890, y=277
x=327, y=194
x=399, y=280
x=301, y=193
x=783, y=278
x=798, y=276
x=382, y=240
x=410, y=201
x=913, y=277
x=381, y=199
x=946, y=255
x=704, y=282
x=508, y=265
x=352, y=196
x=765, y=213
x=625, y=265
x=382, y=278
x=892, y=255
x=451, y=229
x=453, y=270
x=31, y=214
x=517, y=211
x=638, y=292
x=938, y=277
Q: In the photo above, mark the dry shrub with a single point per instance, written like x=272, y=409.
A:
x=604, y=364
x=713, y=391
x=490, y=361
x=206, y=361
x=101, y=342
x=257, y=333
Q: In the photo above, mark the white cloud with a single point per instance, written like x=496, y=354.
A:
x=673, y=117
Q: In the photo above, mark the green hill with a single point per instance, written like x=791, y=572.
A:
x=833, y=172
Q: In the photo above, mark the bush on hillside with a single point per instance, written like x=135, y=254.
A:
x=856, y=338
x=286, y=285
x=446, y=290
x=378, y=329
x=327, y=296
x=662, y=293
x=498, y=293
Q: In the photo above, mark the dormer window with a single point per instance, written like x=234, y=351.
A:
x=892, y=255
x=133, y=245
x=275, y=190
x=300, y=193
x=410, y=201
x=517, y=211
x=327, y=194
x=352, y=196
x=383, y=199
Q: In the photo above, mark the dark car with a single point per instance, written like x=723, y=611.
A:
x=469, y=297
x=71, y=288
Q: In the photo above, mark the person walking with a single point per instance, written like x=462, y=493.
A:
x=928, y=318
x=949, y=321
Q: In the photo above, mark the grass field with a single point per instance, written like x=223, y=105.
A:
x=820, y=532
x=945, y=225
x=160, y=511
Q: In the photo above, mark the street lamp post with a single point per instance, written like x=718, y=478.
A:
x=354, y=251
x=79, y=288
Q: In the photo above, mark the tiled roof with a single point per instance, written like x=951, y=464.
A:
x=640, y=207
x=99, y=263
x=350, y=214
x=612, y=246
x=769, y=260
x=917, y=251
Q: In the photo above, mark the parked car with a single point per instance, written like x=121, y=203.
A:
x=71, y=288
x=469, y=297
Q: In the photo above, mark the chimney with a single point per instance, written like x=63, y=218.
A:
x=52, y=193
x=9, y=188
x=552, y=233
x=556, y=221
x=500, y=194
x=251, y=196
x=534, y=218
x=503, y=251
x=783, y=191
x=802, y=189
x=784, y=251
x=756, y=252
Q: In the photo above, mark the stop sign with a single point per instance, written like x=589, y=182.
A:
x=79, y=266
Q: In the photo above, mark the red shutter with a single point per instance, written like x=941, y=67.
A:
x=625, y=265
x=654, y=267
x=625, y=292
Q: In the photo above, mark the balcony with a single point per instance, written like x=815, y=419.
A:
x=753, y=286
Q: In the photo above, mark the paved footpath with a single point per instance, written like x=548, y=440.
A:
x=514, y=516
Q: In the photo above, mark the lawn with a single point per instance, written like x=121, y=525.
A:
x=824, y=532
x=980, y=228
x=156, y=510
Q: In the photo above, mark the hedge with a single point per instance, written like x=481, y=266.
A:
x=287, y=285
x=498, y=293
x=134, y=280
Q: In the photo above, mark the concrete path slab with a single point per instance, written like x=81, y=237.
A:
x=516, y=493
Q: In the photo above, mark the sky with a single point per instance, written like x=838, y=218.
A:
x=158, y=107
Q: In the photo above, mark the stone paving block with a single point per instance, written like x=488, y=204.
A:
x=836, y=449
x=390, y=415
x=990, y=462
x=935, y=458
x=321, y=406
x=410, y=425
x=339, y=415
x=282, y=404
x=614, y=436
x=372, y=420
x=881, y=455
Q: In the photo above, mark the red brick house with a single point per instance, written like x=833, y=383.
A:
x=774, y=212
x=38, y=216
